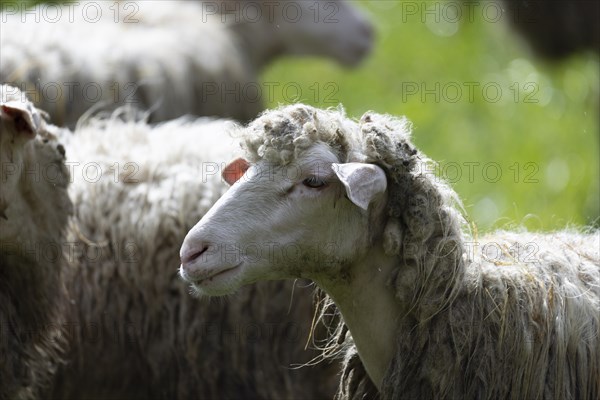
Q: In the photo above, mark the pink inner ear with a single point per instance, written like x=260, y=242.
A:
x=235, y=170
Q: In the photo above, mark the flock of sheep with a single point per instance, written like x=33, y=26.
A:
x=96, y=211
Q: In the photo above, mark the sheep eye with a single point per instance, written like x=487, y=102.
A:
x=313, y=182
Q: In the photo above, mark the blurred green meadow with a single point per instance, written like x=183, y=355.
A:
x=518, y=138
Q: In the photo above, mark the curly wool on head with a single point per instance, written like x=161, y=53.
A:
x=280, y=136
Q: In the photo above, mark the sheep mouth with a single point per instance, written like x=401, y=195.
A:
x=216, y=276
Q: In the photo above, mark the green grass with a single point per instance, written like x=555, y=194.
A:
x=530, y=158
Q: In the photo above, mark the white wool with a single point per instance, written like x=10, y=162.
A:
x=183, y=158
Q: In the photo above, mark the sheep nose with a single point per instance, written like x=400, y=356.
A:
x=190, y=255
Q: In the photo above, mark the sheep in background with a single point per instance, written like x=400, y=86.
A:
x=556, y=29
x=34, y=210
x=430, y=314
x=131, y=327
x=172, y=57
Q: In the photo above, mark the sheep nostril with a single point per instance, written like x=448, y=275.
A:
x=194, y=255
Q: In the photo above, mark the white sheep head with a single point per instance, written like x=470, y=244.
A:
x=326, y=28
x=307, y=204
x=336, y=29
x=34, y=203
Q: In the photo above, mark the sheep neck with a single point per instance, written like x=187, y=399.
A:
x=370, y=310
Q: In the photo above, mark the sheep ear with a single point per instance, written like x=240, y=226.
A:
x=235, y=170
x=21, y=117
x=362, y=181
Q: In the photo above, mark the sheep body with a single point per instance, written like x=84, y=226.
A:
x=524, y=324
x=515, y=316
x=171, y=57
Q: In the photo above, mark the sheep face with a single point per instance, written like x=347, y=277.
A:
x=324, y=28
x=17, y=128
x=33, y=175
x=307, y=219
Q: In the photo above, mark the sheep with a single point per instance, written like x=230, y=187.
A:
x=34, y=210
x=128, y=328
x=430, y=314
x=172, y=57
